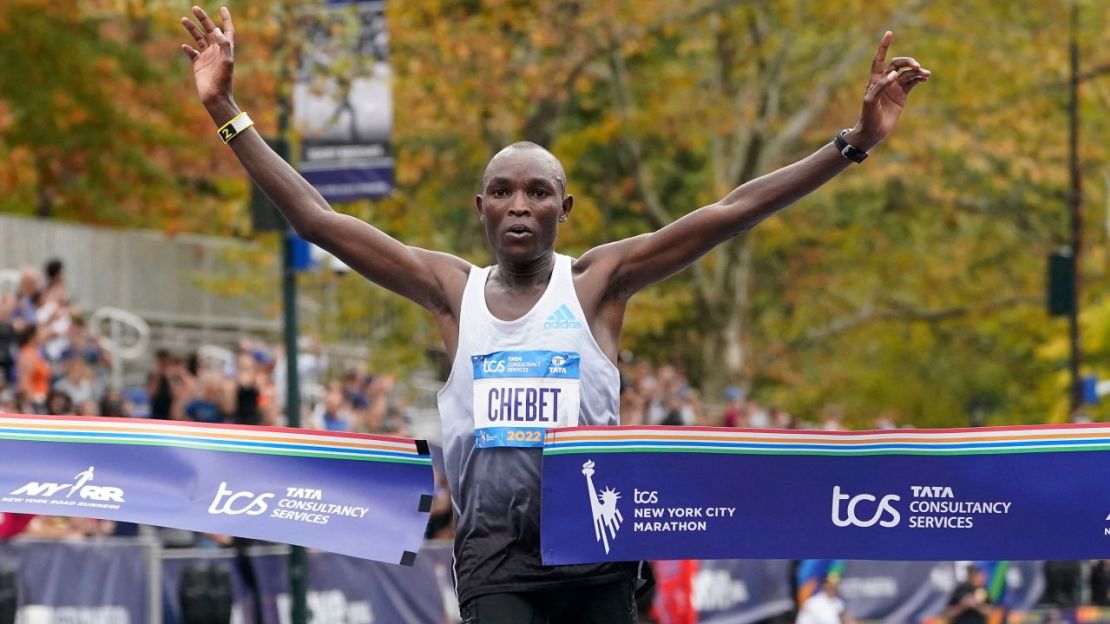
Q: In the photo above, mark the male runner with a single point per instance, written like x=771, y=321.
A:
x=533, y=338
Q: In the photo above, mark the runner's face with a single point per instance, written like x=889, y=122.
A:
x=522, y=203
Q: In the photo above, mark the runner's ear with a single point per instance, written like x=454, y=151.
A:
x=568, y=203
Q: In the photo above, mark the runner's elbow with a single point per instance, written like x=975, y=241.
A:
x=313, y=227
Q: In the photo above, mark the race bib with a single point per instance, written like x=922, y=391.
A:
x=519, y=394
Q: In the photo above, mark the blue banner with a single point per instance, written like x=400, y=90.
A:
x=365, y=496
x=741, y=592
x=1019, y=493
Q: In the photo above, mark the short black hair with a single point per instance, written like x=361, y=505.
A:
x=23, y=338
x=557, y=166
x=54, y=268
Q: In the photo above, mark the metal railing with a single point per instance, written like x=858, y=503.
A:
x=148, y=273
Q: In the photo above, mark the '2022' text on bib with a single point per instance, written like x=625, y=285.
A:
x=519, y=394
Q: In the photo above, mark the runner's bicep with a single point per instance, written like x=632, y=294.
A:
x=411, y=272
x=643, y=260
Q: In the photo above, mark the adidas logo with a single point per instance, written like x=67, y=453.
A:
x=562, y=318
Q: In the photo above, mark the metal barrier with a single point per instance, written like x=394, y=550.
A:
x=126, y=337
x=109, y=580
x=148, y=273
x=138, y=581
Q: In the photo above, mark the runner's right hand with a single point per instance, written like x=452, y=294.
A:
x=213, y=57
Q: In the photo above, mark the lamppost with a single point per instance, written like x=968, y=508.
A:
x=1074, y=200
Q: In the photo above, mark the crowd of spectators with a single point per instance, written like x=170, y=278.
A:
x=51, y=364
x=663, y=395
x=48, y=360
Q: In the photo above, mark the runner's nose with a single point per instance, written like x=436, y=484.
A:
x=519, y=206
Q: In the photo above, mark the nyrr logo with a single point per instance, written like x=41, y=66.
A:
x=885, y=507
x=78, y=488
x=603, y=507
x=231, y=503
x=562, y=318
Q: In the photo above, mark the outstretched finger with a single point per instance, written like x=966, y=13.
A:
x=205, y=21
x=880, y=54
x=198, y=36
x=220, y=38
x=190, y=52
x=229, y=28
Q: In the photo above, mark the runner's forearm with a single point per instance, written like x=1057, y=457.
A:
x=760, y=198
x=293, y=196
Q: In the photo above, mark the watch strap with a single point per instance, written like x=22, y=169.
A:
x=848, y=150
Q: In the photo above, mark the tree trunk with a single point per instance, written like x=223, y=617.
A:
x=723, y=287
x=44, y=204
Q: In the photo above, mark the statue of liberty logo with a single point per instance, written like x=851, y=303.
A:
x=607, y=518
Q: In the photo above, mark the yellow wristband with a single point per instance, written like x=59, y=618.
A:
x=235, y=127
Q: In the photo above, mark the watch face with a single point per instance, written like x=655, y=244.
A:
x=853, y=154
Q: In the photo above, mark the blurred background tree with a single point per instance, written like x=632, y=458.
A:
x=913, y=283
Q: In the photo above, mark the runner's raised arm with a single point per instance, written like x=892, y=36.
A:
x=643, y=260
x=423, y=276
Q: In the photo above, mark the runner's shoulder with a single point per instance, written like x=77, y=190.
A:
x=607, y=255
x=450, y=273
x=599, y=265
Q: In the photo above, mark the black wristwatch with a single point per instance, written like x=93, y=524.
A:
x=850, y=152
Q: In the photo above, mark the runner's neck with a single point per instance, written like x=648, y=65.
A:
x=524, y=276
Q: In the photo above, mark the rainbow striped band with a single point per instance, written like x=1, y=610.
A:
x=214, y=437
x=979, y=441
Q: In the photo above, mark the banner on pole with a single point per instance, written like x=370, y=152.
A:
x=360, y=495
x=343, y=103
x=998, y=493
